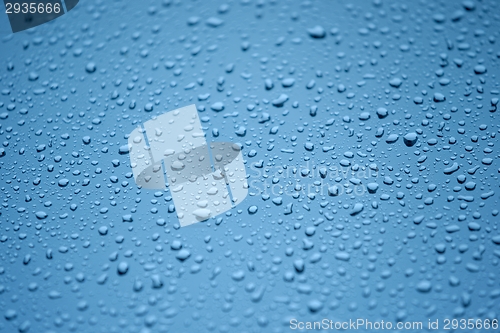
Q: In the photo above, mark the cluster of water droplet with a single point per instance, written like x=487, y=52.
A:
x=368, y=132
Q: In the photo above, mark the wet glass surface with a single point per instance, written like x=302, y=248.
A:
x=367, y=130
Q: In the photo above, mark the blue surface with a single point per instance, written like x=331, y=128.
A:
x=396, y=98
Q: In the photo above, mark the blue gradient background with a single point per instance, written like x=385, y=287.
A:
x=425, y=245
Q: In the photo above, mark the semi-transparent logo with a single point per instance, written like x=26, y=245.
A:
x=205, y=180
